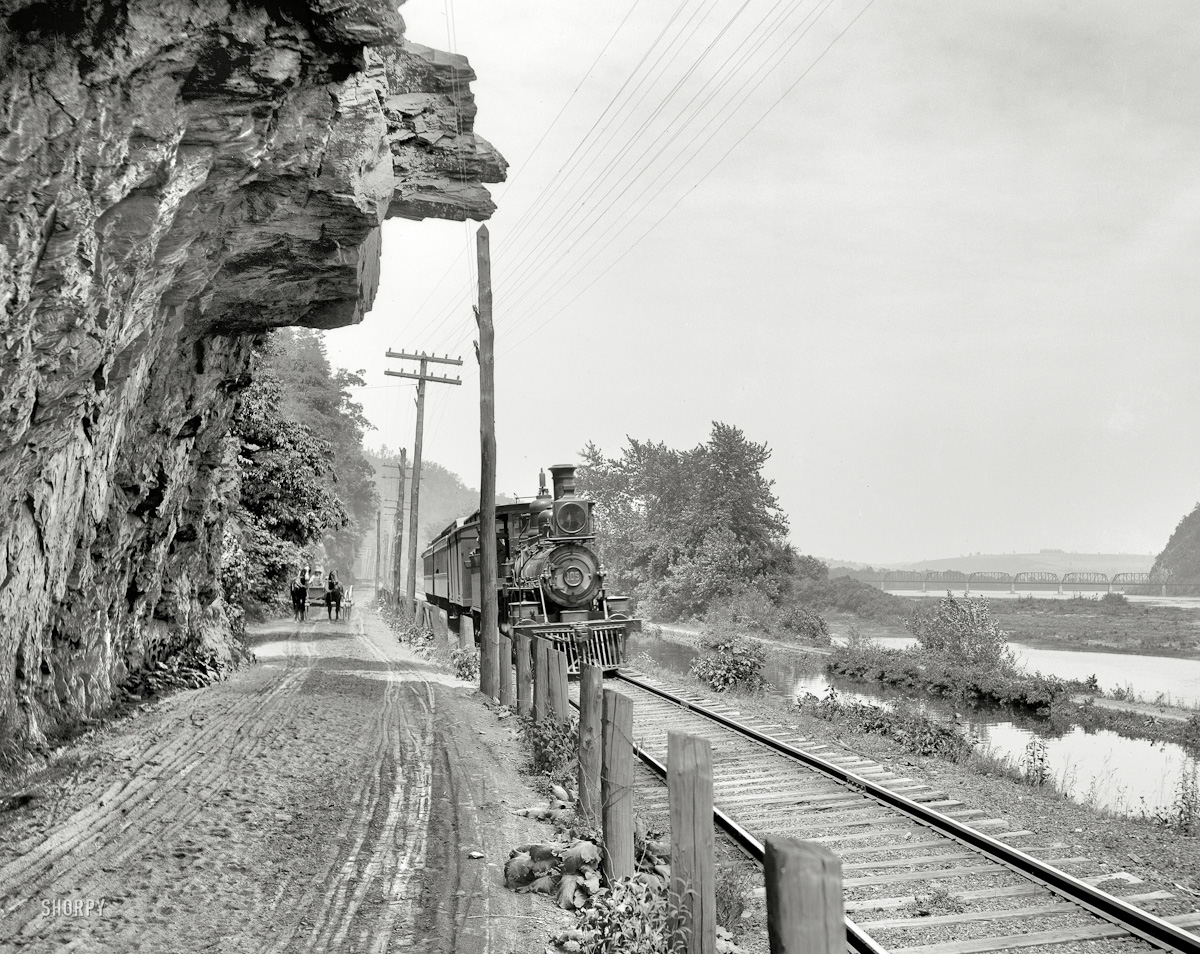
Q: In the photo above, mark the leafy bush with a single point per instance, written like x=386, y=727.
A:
x=971, y=684
x=963, y=631
x=1114, y=603
x=747, y=611
x=913, y=731
x=804, y=623
x=552, y=748
x=632, y=917
x=628, y=917
x=731, y=662
x=1035, y=763
x=465, y=663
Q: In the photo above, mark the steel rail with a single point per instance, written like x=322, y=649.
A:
x=1149, y=927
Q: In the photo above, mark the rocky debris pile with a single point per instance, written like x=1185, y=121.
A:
x=626, y=916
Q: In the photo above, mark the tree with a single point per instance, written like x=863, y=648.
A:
x=683, y=528
x=302, y=475
x=317, y=396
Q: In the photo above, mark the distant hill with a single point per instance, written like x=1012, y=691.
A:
x=1045, y=561
x=1180, y=559
x=443, y=498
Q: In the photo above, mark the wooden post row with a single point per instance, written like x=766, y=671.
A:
x=693, y=890
x=506, y=671
x=616, y=784
x=805, y=911
x=541, y=681
x=524, y=673
x=591, y=708
x=560, y=703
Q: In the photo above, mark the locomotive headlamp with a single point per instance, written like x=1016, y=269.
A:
x=572, y=517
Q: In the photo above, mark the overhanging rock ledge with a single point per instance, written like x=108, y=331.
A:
x=177, y=177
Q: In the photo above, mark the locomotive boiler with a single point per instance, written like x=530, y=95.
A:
x=549, y=579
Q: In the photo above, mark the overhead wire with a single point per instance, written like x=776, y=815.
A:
x=461, y=297
x=779, y=13
x=577, y=206
x=527, y=217
x=699, y=182
x=624, y=220
x=568, y=169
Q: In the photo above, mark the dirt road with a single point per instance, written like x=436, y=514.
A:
x=327, y=799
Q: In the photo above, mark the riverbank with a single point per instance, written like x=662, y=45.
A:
x=1108, y=624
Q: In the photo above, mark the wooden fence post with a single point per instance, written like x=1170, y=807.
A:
x=506, y=671
x=693, y=891
x=591, y=754
x=466, y=631
x=541, y=680
x=616, y=785
x=440, y=625
x=524, y=673
x=805, y=911
x=560, y=703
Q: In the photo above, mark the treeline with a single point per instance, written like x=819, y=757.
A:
x=443, y=498
x=699, y=533
x=305, y=491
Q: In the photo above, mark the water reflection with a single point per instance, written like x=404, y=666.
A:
x=1101, y=769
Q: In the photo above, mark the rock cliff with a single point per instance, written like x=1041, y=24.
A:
x=178, y=176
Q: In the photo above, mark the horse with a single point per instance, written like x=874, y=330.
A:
x=299, y=601
x=333, y=600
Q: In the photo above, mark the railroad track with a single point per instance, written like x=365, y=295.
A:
x=903, y=844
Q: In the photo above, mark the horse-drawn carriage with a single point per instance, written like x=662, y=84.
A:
x=338, y=600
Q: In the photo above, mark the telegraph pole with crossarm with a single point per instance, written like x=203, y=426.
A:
x=420, y=377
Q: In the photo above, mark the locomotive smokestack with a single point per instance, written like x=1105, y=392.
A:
x=563, y=477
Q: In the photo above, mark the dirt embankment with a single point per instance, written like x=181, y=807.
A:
x=327, y=799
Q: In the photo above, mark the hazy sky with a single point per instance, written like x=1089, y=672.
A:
x=950, y=278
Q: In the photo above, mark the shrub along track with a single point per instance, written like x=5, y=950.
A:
x=970, y=892
x=325, y=800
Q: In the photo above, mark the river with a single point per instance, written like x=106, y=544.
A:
x=1102, y=769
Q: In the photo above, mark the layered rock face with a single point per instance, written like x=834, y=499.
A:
x=178, y=176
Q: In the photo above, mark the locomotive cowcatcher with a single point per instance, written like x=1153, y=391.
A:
x=549, y=579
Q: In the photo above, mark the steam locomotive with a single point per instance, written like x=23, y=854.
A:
x=549, y=580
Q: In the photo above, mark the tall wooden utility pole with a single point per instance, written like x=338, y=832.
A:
x=378, y=541
x=489, y=636
x=399, y=525
x=421, y=377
